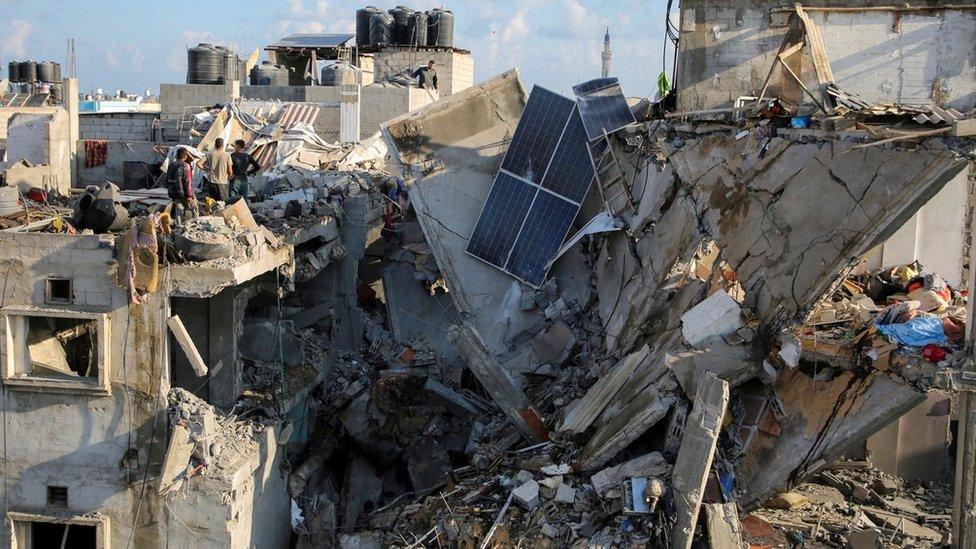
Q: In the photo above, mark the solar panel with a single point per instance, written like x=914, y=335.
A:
x=312, y=41
x=502, y=216
x=571, y=171
x=537, y=134
x=603, y=106
x=542, y=234
x=536, y=194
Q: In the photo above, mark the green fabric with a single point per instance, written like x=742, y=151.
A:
x=663, y=86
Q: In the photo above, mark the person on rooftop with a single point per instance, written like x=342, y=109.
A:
x=219, y=173
x=427, y=76
x=179, y=187
x=243, y=166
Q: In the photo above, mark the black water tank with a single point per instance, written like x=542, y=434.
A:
x=440, y=28
x=363, y=16
x=268, y=74
x=381, y=29
x=418, y=29
x=204, y=65
x=13, y=71
x=340, y=73
x=57, y=72
x=28, y=71
x=401, y=24
x=45, y=71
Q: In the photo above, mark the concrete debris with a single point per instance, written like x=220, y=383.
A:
x=527, y=494
x=764, y=294
x=718, y=315
x=694, y=459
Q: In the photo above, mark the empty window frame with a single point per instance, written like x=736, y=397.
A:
x=31, y=531
x=56, y=349
x=58, y=291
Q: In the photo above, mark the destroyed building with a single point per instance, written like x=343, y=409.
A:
x=736, y=314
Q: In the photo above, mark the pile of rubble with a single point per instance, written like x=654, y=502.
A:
x=855, y=505
x=666, y=378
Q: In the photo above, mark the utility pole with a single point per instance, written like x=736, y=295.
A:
x=606, y=54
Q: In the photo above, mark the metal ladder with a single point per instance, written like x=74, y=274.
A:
x=610, y=179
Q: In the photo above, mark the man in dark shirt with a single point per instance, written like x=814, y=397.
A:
x=179, y=185
x=243, y=165
x=427, y=76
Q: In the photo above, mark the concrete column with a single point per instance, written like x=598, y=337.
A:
x=349, y=107
x=70, y=94
x=225, y=370
x=350, y=329
x=964, y=508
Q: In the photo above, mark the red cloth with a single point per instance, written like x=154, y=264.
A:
x=96, y=152
x=188, y=181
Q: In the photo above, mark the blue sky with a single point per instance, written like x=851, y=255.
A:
x=139, y=44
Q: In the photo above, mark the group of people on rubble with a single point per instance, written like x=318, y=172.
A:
x=226, y=179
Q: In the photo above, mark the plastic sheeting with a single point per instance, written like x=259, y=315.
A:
x=916, y=332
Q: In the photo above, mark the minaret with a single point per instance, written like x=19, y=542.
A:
x=606, y=54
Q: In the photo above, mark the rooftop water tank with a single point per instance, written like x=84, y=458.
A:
x=440, y=28
x=268, y=74
x=401, y=24
x=363, y=16
x=45, y=71
x=381, y=29
x=57, y=72
x=418, y=29
x=13, y=71
x=28, y=71
x=340, y=73
x=204, y=65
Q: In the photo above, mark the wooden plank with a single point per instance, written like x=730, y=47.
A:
x=183, y=338
x=802, y=85
x=820, y=60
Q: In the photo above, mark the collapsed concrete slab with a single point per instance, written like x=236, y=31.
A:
x=694, y=460
x=783, y=253
x=452, y=149
x=499, y=383
x=822, y=419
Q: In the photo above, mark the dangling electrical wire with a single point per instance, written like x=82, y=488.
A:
x=671, y=34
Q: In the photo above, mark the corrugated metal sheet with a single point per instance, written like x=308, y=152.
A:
x=849, y=102
x=938, y=116
x=298, y=113
x=265, y=154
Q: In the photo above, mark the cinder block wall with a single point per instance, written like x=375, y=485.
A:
x=728, y=46
x=455, y=71
x=176, y=98
x=117, y=126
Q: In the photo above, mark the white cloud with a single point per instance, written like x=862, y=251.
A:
x=310, y=27
x=296, y=8
x=13, y=40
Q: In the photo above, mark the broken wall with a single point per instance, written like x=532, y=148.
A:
x=455, y=69
x=915, y=58
x=73, y=439
x=786, y=226
x=43, y=136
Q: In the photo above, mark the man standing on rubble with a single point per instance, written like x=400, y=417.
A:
x=244, y=166
x=179, y=186
x=427, y=76
x=219, y=174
